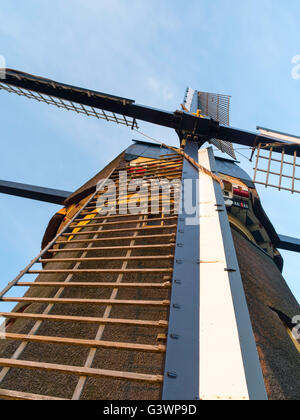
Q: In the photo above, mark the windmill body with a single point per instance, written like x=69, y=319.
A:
x=136, y=297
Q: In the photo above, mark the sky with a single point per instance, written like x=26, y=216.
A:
x=150, y=52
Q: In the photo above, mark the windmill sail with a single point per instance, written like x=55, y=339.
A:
x=36, y=87
x=273, y=171
x=120, y=110
x=215, y=106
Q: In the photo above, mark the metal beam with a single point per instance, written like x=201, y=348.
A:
x=33, y=192
x=181, y=379
x=288, y=243
x=229, y=362
x=183, y=122
x=247, y=138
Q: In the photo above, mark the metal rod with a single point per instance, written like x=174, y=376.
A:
x=128, y=222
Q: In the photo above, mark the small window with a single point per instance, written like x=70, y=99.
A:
x=290, y=327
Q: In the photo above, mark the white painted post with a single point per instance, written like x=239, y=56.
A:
x=229, y=364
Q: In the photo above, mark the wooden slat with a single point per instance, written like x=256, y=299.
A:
x=145, y=213
x=153, y=168
x=106, y=259
x=88, y=320
x=86, y=343
x=152, y=172
x=167, y=163
x=128, y=195
x=165, y=204
x=163, y=158
x=157, y=172
x=81, y=371
x=147, y=228
x=151, y=162
x=47, y=309
x=98, y=285
x=103, y=271
x=165, y=198
x=158, y=164
x=123, y=222
x=114, y=248
x=172, y=175
x=7, y=394
x=101, y=329
x=133, y=173
x=118, y=216
x=116, y=238
x=89, y=301
x=141, y=200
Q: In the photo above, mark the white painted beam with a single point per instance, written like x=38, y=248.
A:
x=229, y=365
x=276, y=135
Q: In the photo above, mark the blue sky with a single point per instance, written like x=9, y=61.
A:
x=148, y=51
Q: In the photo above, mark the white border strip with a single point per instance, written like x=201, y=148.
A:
x=229, y=363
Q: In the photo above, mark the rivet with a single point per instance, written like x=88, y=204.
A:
x=175, y=336
x=172, y=375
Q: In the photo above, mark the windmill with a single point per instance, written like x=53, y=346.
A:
x=156, y=309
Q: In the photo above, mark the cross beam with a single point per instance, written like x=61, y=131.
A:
x=47, y=195
x=200, y=128
x=289, y=244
